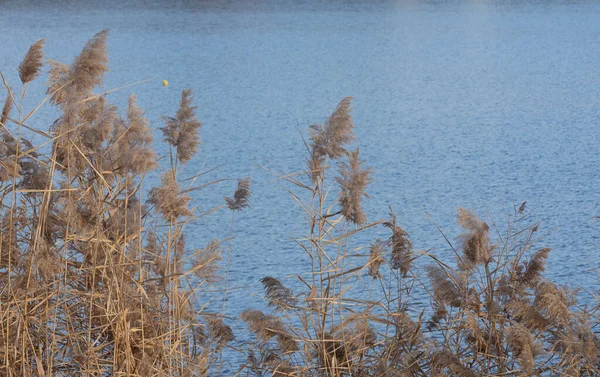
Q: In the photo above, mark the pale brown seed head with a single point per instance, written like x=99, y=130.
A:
x=5, y=112
x=168, y=199
x=475, y=240
x=353, y=181
x=241, y=197
x=402, y=254
x=30, y=67
x=330, y=139
x=182, y=131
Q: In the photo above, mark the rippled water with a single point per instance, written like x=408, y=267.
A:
x=481, y=104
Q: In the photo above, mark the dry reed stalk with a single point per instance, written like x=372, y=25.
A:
x=81, y=294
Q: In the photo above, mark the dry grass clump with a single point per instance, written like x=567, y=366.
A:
x=493, y=314
x=97, y=279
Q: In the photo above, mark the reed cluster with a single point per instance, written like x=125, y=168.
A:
x=96, y=278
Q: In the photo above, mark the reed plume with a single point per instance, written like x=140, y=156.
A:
x=71, y=84
x=353, y=181
x=402, y=254
x=58, y=79
x=87, y=71
x=524, y=312
x=578, y=342
x=376, y=259
x=9, y=169
x=168, y=198
x=330, y=139
x=241, y=197
x=276, y=294
x=30, y=67
x=267, y=327
x=475, y=241
x=445, y=363
x=281, y=368
x=535, y=267
x=220, y=332
x=132, y=140
x=553, y=301
x=445, y=287
x=523, y=346
x=5, y=112
x=206, y=262
x=181, y=131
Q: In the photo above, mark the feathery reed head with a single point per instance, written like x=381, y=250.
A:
x=267, y=327
x=72, y=84
x=277, y=294
x=9, y=168
x=206, y=262
x=5, y=112
x=353, y=181
x=131, y=140
x=445, y=363
x=330, y=139
x=402, y=254
x=168, y=199
x=376, y=259
x=525, y=313
x=241, y=197
x=181, y=131
x=58, y=79
x=30, y=67
x=523, y=346
x=219, y=331
x=445, y=287
x=535, y=267
x=475, y=241
x=89, y=67
x=554, y=302
x=315, y=164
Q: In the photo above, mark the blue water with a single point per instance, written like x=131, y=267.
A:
x=480, y=104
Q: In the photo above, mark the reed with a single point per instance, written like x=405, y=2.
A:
x=96, y=278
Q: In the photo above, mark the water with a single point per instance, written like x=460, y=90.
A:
x=473, y=104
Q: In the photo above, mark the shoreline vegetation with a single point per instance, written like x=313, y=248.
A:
x=97, y=280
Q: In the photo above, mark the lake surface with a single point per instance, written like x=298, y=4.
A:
x=481, y=104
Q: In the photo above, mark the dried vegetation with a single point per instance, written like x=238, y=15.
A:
x=97, y=280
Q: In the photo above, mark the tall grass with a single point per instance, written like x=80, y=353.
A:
x=96, y=278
